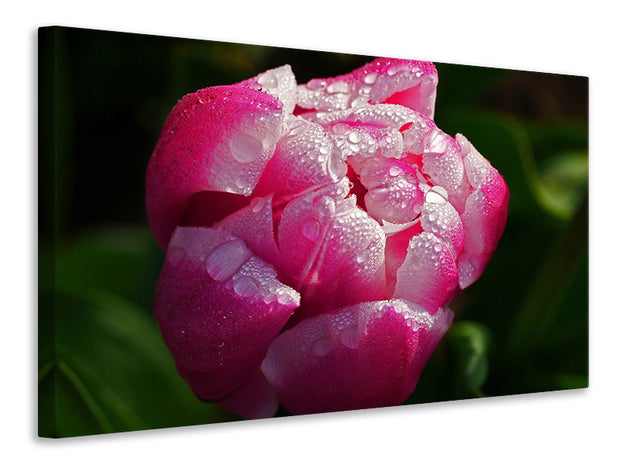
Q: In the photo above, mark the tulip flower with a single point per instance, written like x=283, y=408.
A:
x=314, y=236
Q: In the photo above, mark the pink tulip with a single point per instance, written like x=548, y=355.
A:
x=314, y=235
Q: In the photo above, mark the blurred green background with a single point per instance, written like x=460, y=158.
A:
x=103, y=97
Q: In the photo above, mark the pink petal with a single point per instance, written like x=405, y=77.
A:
x=362, y=356
x=443, y=163
x=216, y=139
x=332, y=251
x=218, y=307
x=485, y=214
x=428, y=276
x=254, y=399
x=394, y=193
x=304, y=158
x=441, y=218
x=278, y=82
x=254, y=225
x=405, y=82
x=396, y=247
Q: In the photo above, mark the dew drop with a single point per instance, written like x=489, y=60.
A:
x=436, y=194
x=322, y=347
x=245, y=286
x=350, y=337
x=355, y=137
x=287, y=298
x=226, y=259
x=378, y=195
x=246, y=148
x=392, y=70
x=362, y=256
x=268, y=80
x=370, y=78
x=336, y=168
x=338, y=87
x=311, y=229
x=326, y=207
x=176, y=255
x=395, y=171
x=257, y=204
x=359, y=102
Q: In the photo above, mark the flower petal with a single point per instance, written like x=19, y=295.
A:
x=428, y=276
x=279, y=82
x=385, y=80
x=303, y=159
x=362, y=356
x=254, y=225
x=332, y=251
x=485, y=213
x=216, y=139
x=218, y=307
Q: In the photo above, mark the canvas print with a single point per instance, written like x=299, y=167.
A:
x=232, y=232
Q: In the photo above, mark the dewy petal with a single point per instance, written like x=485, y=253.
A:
x=279, y=82
x=216, y=139
x=254, y=225
x=443, y=163
x=303, y=159
x=428, y=275
x=485, y=213
x=394, y=193
x=385, y=80
x=218, y=307
x=366, y=355
x=332, y=251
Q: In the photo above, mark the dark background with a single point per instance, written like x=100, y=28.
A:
x=103, y=97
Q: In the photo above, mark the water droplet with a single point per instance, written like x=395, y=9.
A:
x=242, y=184
x=432, y=216
x=326, y=207
x=176, y=255
x=338, y=87
x=395, y=171
x=378, y=195
x=438, y=247
x=359, y=102
x=311, y=229
x=436, y=194
x=245, y=286
x=392, y=70
x=324, y=149
x=314, y=84
x=350, y=337
x=336, y=168
x=355, y=137
x=322, y=347
x=226, y=259
x=257, y=204
x=370, y=78
x=288, y=298
x=246, y=148
x=362, y=256
x=268, y=80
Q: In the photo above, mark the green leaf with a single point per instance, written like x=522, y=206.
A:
x=107, y=369
x=564, y=180
x=469, y=343
x=124, y=261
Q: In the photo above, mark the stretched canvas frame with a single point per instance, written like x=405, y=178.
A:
x=103, y=98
